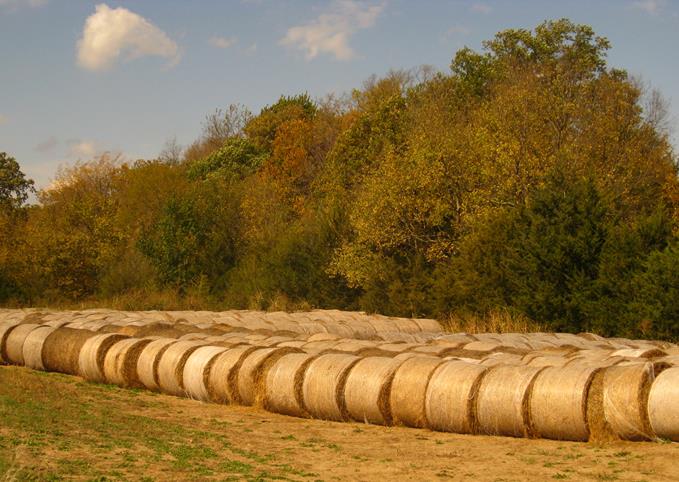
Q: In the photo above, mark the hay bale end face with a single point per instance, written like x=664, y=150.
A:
x=251, y=373
x=196, y=371
x=503, y=401
x=171, y=366
x=451, y=396
x=120, y=363
x=221, y=378
x=284, y=380
x=323, y=387
x=5, y=329
x=366, y=393
x=408, y=390
x=61, y=349
x=33, y=347
x=14, y=343
x=147, y=364
x=558, y=403
x=663, y=405
x=93, y=353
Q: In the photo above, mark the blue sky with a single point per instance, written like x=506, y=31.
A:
x=80, y=77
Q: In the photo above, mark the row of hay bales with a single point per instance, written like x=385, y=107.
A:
x=637, y=401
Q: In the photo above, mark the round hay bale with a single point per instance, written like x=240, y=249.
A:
x=197, y=369
x=409, y=390
x=451, y=396
x=171, y=366
x=558, y=403
x=663, y=401
x=428, y=325
x=504, y=399
x=500, y=358
x=548, y=361
x=411, y=354
x=292, y=344
x=5, y=329
x=352, y=346
x=323, y=337
x=221, y=378
x=486, y=346
x=639, y=353
x=14, y=343
x=61, y=349
x=147, y=363
x=55, y=323
x=319, y=346
x=323, y=387
x=670, y=360
x=382, y=325
x=252, y=372
x=284, y=380
x=93, y=353
x=397, y=347
x=366, y=392
x=625, y=399
x=120, y=362
x=32, y=349
x=405, y=325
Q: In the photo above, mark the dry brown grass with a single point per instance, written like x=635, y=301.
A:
x=496, y=321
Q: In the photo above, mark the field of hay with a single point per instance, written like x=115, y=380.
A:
x=391, y=396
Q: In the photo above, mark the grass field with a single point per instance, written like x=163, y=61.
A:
x=58, y=427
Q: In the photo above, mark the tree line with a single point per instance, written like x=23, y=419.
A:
x=532, y=177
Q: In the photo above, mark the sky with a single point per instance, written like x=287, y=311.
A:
x=79, y=78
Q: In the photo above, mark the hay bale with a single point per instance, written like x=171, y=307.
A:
x=196, y=371
x=120, y=363
x=32, y=349
x=284, y=380
x=323, y=387
x=251, y=375
x=663, y=403
x=5, y=329
x=548, y=361
x=558, y=403
x=147, y=363
x=93, y=353
x=61, y=349
x=504, y=399
x=639, y=353
x=500, y=358
x=409, y=389
x=171, y=366
x=221, y=378
x=14, y=343
x=625, y=399
x=366, y=393
x=451, y=396
x=428, y=325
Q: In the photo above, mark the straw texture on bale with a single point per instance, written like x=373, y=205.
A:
x=503, y=401
x=558, y=403
x=5, y=330
x=625, y=399
x=639, y=353
x=451, y=396
x=14, y=343
x=366, y=392
x=663, y=405
x=120, y=363
x=251, y=375
x=196, y=371
x=171, y=366
x=33, y=347
x=61, y=349
x=221, y=381
x=147, y=363
x=284, y=380
x=93, y=353
x=408, y=390
x=323, y=387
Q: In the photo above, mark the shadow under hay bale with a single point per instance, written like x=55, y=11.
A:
x=120, y=363
x=558, y=403
x=366, y=392
x=61, y=349
x=409, y=389
x=14, y=343
x=171, y=366
x=663, y=405
x=503, y=401
x=451, y=396
x=323, y=387
x=221, y=378
x=147, y=363
x=284, y=380
x=93, y=353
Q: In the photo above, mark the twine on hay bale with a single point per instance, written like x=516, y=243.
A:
x=366, y=392
x=120, y=363
x=61, y=349
x=196, y=370
x=221, y=378
x=409, y=389
x=625, y=399
x=504, y=399
x=323, y=387
x=14, y=343
x=93, y=353
x=171, y=366
x=5, y=329
x=32, y=349
x=251, y=375
x=663, y=405
x=147, y=363
x=558, y=403
x=451, y=396
x=283, y=385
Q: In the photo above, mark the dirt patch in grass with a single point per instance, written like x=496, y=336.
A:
x=57, y=427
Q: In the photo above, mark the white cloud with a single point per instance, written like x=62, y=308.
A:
x=3, y=119
x=82, y=149
x=481, y=8
x=651, y=7
x=222, y=42
x=110, y=33
x=331, y=31
x=12, y=5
